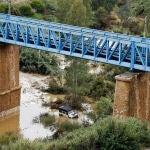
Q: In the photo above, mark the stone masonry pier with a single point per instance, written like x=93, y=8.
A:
x=132, y=95
x=9, y=79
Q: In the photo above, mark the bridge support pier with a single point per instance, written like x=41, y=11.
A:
x=132, y=95
x=9, y=79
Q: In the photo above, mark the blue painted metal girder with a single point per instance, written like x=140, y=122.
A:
x=113, y=48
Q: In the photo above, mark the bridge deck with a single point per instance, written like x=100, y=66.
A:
x=113, y=48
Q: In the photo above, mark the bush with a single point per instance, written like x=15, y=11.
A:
x=92, y=115
x=145, y=135
x=108, y=134
x=67, y=126
x=110, y=72
x=3, y=8
x=32, y=61
x=56, y=104
x=100, y=88
x=38, y=16
x=118, y=135
x=103, y=107
x=38, y=5
x=22, y=144
x=74, y=101
x=47, y=119
x=26, y=10
x=54, y=88
x=7, y=138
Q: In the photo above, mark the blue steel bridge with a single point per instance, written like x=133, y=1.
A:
x=113, y=48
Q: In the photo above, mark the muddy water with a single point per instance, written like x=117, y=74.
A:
x=30, y=107
x=10, y=123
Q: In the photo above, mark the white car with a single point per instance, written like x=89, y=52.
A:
x=72, y=114
x=67, y=111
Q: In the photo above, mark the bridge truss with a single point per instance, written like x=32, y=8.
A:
x=113, y=48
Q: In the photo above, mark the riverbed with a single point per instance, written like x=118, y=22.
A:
x=31, y=107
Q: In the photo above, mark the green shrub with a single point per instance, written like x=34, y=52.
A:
x=56, y=104
x=26, y=10
x=38, y=16
x=35, y=62
x=106, y=134
x=80, y=139
x=110, y=71
x=92, y=115
x=47, y=119
x=118, y=135
x=100, y=87
x=22, y=144
x=74, y=101
x=67, y=126
x=7, y=138
x=55, y=88
x=144, y=134
x=3, y=8
x=103, y=107
x=38, y=5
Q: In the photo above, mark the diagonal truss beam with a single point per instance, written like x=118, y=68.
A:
x=113, y=48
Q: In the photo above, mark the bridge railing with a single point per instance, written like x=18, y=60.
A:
x=118, y=49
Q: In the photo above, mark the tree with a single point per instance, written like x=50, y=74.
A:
x=76, y=76
x=32, y=61
x=89, y=12
x=77, y=14
x=63, y=6
x=109, y=72
x=50, y=6
x=96, y=4
x=99, y=88
x=103, y=107
x=124, y=9
x=76, y=79
x=38, y=5
x=26, y=10
x=107, y=4
x=56, y=82
x=101, y=18
x=140, y=8
x=3, y=8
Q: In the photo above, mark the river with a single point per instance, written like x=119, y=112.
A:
x=30, y=107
